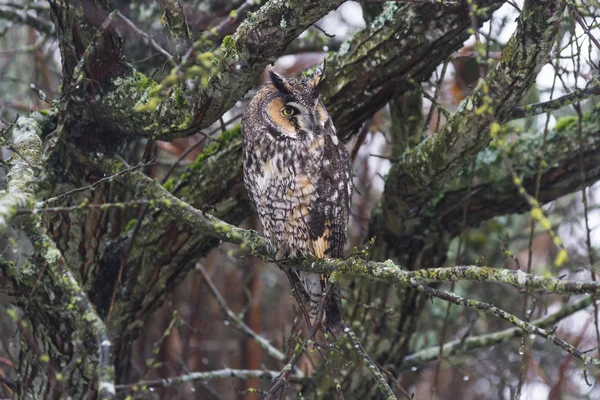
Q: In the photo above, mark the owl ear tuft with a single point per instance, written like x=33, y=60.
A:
x=318, y=75
x=279, y=82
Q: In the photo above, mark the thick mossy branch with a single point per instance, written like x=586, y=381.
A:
x=386, y=271
x=408, y=40
x=22, y=184
x=232, y=68
x=175, y=20
x=494, y=192
x=391, y=273
x=76, y=301
x=22, y=178
x=423, y=170
x=404, y=41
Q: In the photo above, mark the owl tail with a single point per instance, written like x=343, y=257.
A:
x=312, y=287
x=333, y=312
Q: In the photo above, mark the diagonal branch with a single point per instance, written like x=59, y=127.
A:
x=461, y=346
x=496, y=194
x=370, y=365
x=405, y=43
x=26, y=17
x=423, y=170
x=592, y=89
x=257, y=42
x=519, y=323
x=238, y=323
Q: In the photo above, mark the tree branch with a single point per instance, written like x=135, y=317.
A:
x=399, y=43
x=405, y=40
x=423, y=170
x=386, y=271
x=592, y=89
x=239, y=324
x=496, y=194
x=210, y=375
x=382, y=271
x=175, y=19
x=461, y=346
x=258, y=41
x=208, y=182
x=370, y=365
x=24, y=16
x=525, y=326
x=22, y=178
x=22, y=184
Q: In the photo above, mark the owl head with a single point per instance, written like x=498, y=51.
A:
x=289, y=108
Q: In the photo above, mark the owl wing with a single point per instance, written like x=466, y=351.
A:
x=328, y=215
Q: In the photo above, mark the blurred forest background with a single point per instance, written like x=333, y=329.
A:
x=161, y=85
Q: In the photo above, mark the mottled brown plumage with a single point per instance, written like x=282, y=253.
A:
x=298, y=174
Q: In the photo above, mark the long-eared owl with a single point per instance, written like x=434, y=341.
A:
x=298, y=174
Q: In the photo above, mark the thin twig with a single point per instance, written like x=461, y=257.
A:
x=300, y=348
x=146, y=38
x=592, y=89
x=237, y=322
x=581, y=22
x=93, y=185
x=462, y=345
x=208, y=376
x=83, y=206
x=512, y=319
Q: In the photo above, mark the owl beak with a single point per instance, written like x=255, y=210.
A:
x=307, y=123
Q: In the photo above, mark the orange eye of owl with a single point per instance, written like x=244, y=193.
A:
x=288, y=111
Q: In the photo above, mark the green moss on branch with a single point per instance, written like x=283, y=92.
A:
x=429, y=166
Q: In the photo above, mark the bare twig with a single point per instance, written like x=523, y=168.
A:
x=238, y=322
x=92, y=186
x=208, y=376
x=300, y=348
x=25, y=17
x=592, y=89
x=83, y=206
x=581, y=22
x=461, y=346
x=519, y=323
x=146, y=38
